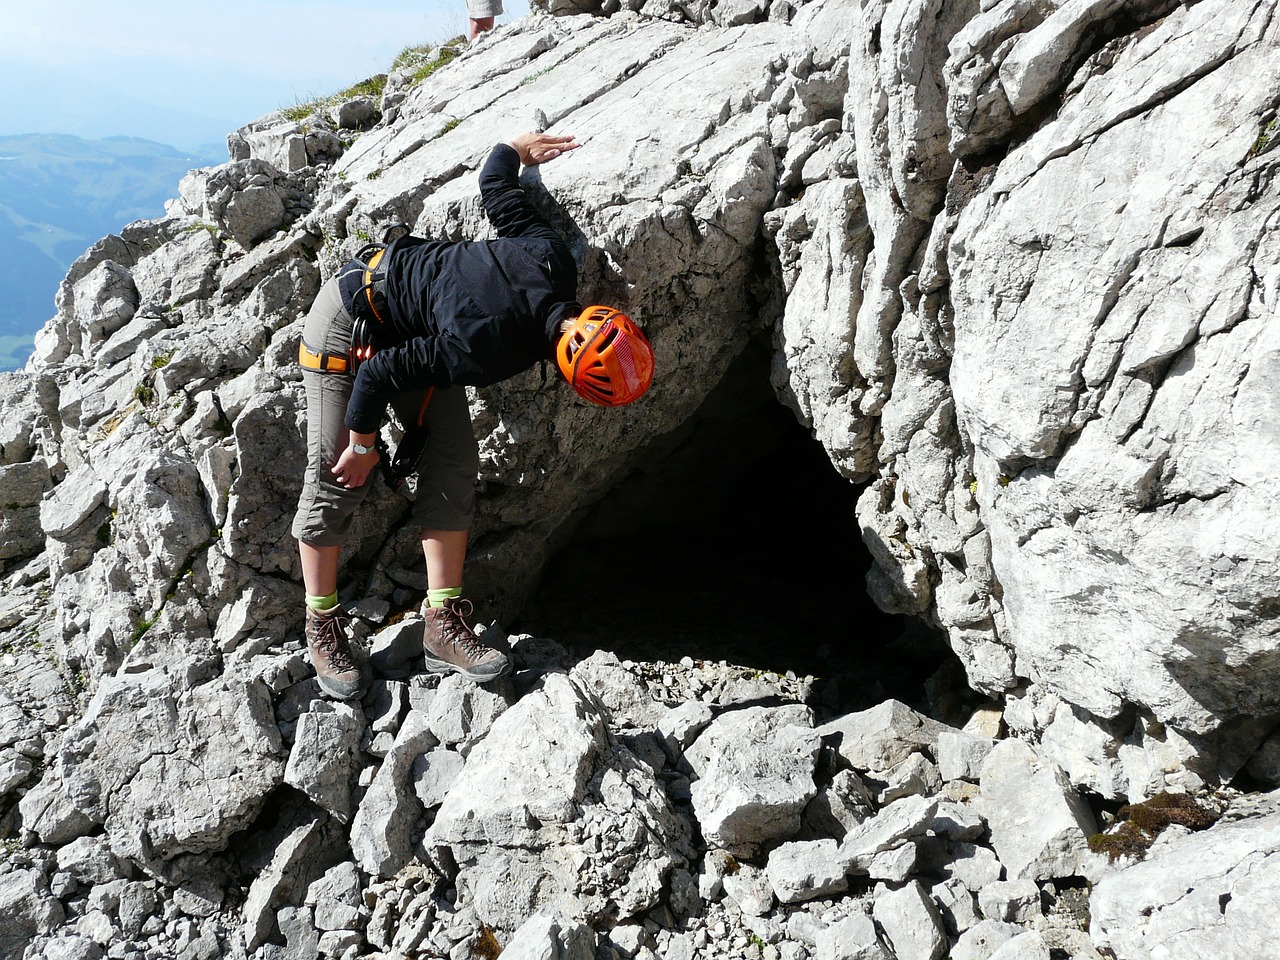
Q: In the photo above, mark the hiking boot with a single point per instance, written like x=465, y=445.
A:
x=448, y=644
x=329, y=644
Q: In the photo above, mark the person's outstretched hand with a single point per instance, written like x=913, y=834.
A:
x=537, y=148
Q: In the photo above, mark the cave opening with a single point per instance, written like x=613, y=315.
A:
x=737, y=541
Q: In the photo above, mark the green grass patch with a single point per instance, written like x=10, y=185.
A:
x=143, y=625
x=535, y=75
x=371, y=88
x=1266, y=138
x=423, y=62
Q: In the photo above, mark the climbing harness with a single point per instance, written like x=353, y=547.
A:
x=368, y=306
x=370, y=315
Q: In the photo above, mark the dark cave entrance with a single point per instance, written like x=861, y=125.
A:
x=739, y=543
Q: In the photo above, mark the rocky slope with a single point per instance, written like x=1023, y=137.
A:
x=1017, y=265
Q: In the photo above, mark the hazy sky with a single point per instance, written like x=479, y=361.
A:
x=146, y=67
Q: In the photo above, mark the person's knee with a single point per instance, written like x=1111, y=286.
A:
x=479, y=25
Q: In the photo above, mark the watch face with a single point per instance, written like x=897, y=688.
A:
x=360, y=448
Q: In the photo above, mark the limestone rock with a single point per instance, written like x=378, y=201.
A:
x=543, y=937
x=1208, y=891
x=891, y=827
x=167, y=773
x=1039, y=824
x=322, y=761
x=806, y=870
x=28, y=909
x=913, y=927
x=853, y=938
x=881, y=737
x=755, y=775
x=383, y=829
x=547, y=814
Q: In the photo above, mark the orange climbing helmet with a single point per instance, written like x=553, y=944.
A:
x=605, y=357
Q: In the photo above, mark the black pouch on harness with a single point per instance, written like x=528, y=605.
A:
x=403, y=462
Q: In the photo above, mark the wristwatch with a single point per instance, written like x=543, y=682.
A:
x=361, y=449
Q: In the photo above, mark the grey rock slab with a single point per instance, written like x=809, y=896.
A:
x=72, y=946
x=551, y=814
x=1014, y=901
x=90, y=861
x=755, y=775
x=749, y=887
x=170, y=773
x=961, y=755
x=912, y=924
x=957, y=906
x=545, y=937
x=462, y=712
x=973, y=865
x=1039, y=823
x=681, y=724
x=47, y=811
x=434, y=774
x=383, y=828
x=72, y=502
x=1052, y=360
x=1210, y=893
x=983, y=939
x=806, y=870
x=14, y=769
x=505, y=795
x=1030, y=945
x=895, y=865
x=336, y=898
x=28, y=910
x=393, y=647
x=917, y=774
x=853, y=938
x=958, y=821
x=322, y=761
x=621, y=691
x=881, y=737
x=837, y=807
x=898, y=823
x=274, y=884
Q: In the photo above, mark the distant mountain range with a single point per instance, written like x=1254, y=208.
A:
x=59, y=195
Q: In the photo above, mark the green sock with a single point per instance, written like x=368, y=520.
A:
x=320, y=604
x=436, y=598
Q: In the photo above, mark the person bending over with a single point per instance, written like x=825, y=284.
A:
x=411, y=327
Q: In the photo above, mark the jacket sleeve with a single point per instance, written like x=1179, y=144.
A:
x=434, y=361
x=505, y=202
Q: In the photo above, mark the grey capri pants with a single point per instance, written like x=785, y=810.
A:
x=449, y=465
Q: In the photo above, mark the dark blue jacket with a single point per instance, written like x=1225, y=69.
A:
x=470, y=312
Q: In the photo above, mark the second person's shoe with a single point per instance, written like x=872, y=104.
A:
x=448, y=644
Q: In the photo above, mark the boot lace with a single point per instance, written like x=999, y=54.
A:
x=454, y=629
x=331, y=637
